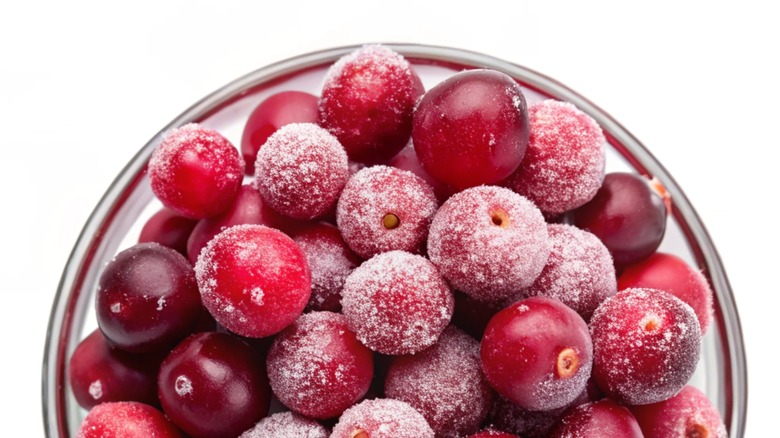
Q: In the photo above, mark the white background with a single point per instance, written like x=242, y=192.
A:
x=84, y=85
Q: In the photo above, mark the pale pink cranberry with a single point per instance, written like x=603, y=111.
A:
x=286, y=425
x=564, y=164
x=254, y=280
x=492, y=433
x=489, y=242
x=367, y=102
x=646, y=346
x=168, y=228
x=382, y=418
x=688, y=414
x=301, y=170
x=397, y=303
x=196, y=171
x=603, y=418
x=407, y=160
x=126, y=420
x=444, y=383
x=383, y=209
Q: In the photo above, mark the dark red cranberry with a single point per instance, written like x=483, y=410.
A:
x=126, y=420
x=168, y=228
x=507, y=416
x=286, y=425
x=688, y=414
x=407, y=160
x=603, y=418
x=492, y=433
x=382, y=418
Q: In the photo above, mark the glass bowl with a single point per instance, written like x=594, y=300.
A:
x=116, y=221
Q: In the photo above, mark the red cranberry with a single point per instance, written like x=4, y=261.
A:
x=382, y=418
x=645, y=345
x=147, y=298
x=253, y=279
x=688, y=414
x=492, y=433
x=397, y=303
x=512, y=418
x=275, y=111
x=407, y=160
x=286, y=425
x=537, y=353
x=472, y=128
x=126, y=420
x=213, y=384
x=196, y=171
x=603, y=418
x=383, y=209
x=168, y=228
x=367, y=102
x=489, y=242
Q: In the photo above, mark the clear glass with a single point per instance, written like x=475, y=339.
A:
x=116, y=221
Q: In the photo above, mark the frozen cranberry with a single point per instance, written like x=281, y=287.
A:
x=512, y=418
x=213, y=384
x=286, y=425
x=196, y=171
x=253, y=279
x=564, y=164
x=688, y=414
x=579, y=271
x=147, y=298
x=382, y=418
x=397, y=303
x=317, y=367
x=627, y=215
x=472, y=128
x=492, y=433
x=126, y=420
x=670, y=273
x=168, y=228
x=275, y=111
x=367, y=102
x=473, y=316
x=489, y=242
x=645, y=346
x=603, y=418
x=383, y=209
x=444, y=383
x=407, y=160
x=537, y=353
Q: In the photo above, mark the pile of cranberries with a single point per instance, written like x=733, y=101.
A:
x=403, y=263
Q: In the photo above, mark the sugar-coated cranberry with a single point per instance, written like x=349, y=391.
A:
x=275, y=111
x=367, y=102
x=509, y=417
x=397, y=303
x=301, y=170
x=537, y=353
x=317, y=367
x=472, y=316
x=383, y=209
x=646, y=345
x=330, y=262
x=579, y=271
x=147, y=298
x=444, y=383
x=472, y=128
x=492, y=433
x=196, y=171
x=99, y=373
x=563, y=166
x=672, y=274
x=382, y=418
x=213, y=384
x=627, y=215
x=254, y=280
x=286, y=425
x=489, y=242
x=603, y=418
x=688, y=414
x=168, y=228
x=126, y=420
x=407, y=160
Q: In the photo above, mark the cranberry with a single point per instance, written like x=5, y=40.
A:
x=472, y=128
x=492, y=433
x=383, y=209
x=367, y=102
x=168, y=228
x=147, y=298
x=126, y=420
x=382, y=418
x=286, y=425
x=688, y=414
x=407, y=160
x=213, y=384
x=196, y=171
x=645, y=345
x=253, y=279
x=510, y=417
x=598, y=419
x=275, y=111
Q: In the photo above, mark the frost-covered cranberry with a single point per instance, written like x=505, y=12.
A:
x=213, y=384
x=472, y=128
x=196, y=171
x=275, y=111
x=444, y=383
x=126, y=420
x=383, y=209
x=397, y=303
x=407, y=160
x=688, y=414
x=286, y=425
x=510, y=417
x=382, y=418
x=537, y=353
x=367, y=102
x=317, y=367
x=147, y=298
x=301, y=170
x=489, y=242
x=253, y=279
x=168, y=228
x=603, y=418
x=492, y=433
x=564, y=164
x=646, y=345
